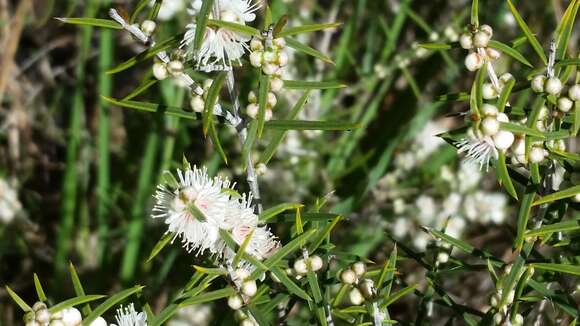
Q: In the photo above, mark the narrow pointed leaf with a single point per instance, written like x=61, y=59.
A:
x=147, y=54
x=563, y=194
x=508, y=50
x=566, y=226
x=211, y=100
x=262, y=103
x=304, y=84
x=320, y=237
x=523, y=216
x=162, y=243
x=504, y=177
x=106, y=23
x=75, y=302
x=289, y=284
x=560, y=268
x=21, y=303
x=308, y=50
x=529, y=35
x=201, y=23
x=209, y=296
x=39, y=290
x=310, y=125
x=306, y=29
x=111, y=302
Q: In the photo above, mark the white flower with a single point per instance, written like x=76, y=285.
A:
x=478, y=149
x=221, y=46
x=129, y=317
x=196, y=210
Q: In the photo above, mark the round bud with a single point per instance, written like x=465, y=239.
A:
x=32, y=323
x=261, y=169
x=359, y=268
x=502, y=117
x=490, y=110
x=276, y=84
x=282, y=59
x=442, y=257
x=56, y=322
x=252, y=110
x=355, y=297
x=466, y=41
x=315, y=263
x=235, y=302
x=256, y=59
x=249, y=288
x=367, y=288
x=511, y=296
x=519, y=146
x=481, y=39
x=43, y=316
x=473, y=61
x=574, y=92
x=538, y=83
x=490, y=126
x=536, y=154
x=541, y=125
x=270, y=56
x=247, y=322
x=553, y=86
x=493, y=54
x=39, y=305
x=71, y=316
x=498, y=318
x=576, y=198
x=565, y=104
x=488, y=91
x=503, y=79
x=197, y=104
x=347, y=276
x=518, y=320
x=279, y=42
x=300, y=267
x=269, y=69
x=100, y=321
x=256, y=44
x=544, y=113
x=160, y=71
x=252, y=98
x=175, y=67
x=271, y=100
x=495, y=300
x=148, y=27
x=503, y=140
x=268, y=115
x=486, y=29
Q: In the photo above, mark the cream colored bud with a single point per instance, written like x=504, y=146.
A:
x=473, y=61
x=252, y=98
x=249, y=288
x=519, y=146
x=544, y=113
x=252, y=110
x=175, y=67
x=488, y=91
x=300, y=267
x=442, y=257
x=536, y=154
x=486, y=29
x=56, y=322
x=282, y=59
x=71, y=317
x=367, y=289
x=242, y=274
x=148, y=27
x=574, y=92
x=100, y=321
x=256, y=45
x=498, y=318
x=261, y=169
x=359, y=268
x=270, y=56
x=197, y=103
x=518, y=320
x=493, y=54
x=269, y=69
x=481, y=39
x=268, y=115
x=235, y=302
x=160, y=71
x=503, y=140
x=495, y=300
x=466, y=41
x=356, y=297
x=347, y=276
x=279, y=42
x=490, y=126
x=39, y=305
x=502, y=117
x=565, y=104
x=538, y=83
x=315, y=263
x=503, y=79
x=490, y=110
x=256, y=59
x=271, y=100
x=276, y=84
x=43, y=316
x=553, y=86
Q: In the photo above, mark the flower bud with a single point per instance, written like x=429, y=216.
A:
x=197, y=103
x=490, y=110
x=473, y=61
x=497, y=318
x=488, y=91
x=486, y=29
x=466, y=41
x=100, y=321
x=269, y=69
x=565, y=104
x=39, y=305
x=538, y=83
x=252, y=98
x=315, y=263
x=442, y=257
x=256, y=59
x=574, y=92
x=495, y=300
x=43, y=316
x=519, y=146
x=367, y=288
x=175, y=67
x=279, y=42
x=269, y=56
x=261, y=169
x=268, y=115
x=300, y=267
x=544, y=113
x=276, y=84
x=356, y=297
x=256, y=45
x=503, y=140
x=252, y=110
x=282, y=59
x=248, y=322
x=271, y=100
x=518, y=320
x=71, y=317
x=502, y=117
x=503, y=79
x=536, y=154
x=148, y=27
x=249, y=288
x=553, y=86
x=235, y=302
x=359, y=268
x=490, y=126
x=160, y=71
x=347, y=276
x=481, y=39
x=493, y=54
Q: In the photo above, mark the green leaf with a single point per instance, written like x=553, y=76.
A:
x=39, y=290
x=242, y=249
x=110, y=302
x=453, y=97
x=75, y=302
x=238, y=28
x=576, y=126
x=145, y=85
x=298, y=222
x=262, y=102
x=107, y=23
x=303, y=84
x=564, y=30
x=462, y=245
x=436, y=46
x=529, y=35
x=561, y=268
x=310, y=125
x=475, y=13
x=147, y=54
x=201, y=23
x=249, y=143
x=211, y=271
x=523, y=216
x=277, y=136
x=138, y=8
x=21, y=303
x=78, y=286
x=565, y=226
x=209, y=296
x=519, y=129
x=314, y=286
x=566, y=193
x=162, y=243
x=321, y=236
x=505, y=94
x=504, y=48
x=211, y=100
x=216, y=142
x=274, y=211
x=388, y=272
x=504, y=177
x=306, y=29
x=152, y=107
x=289, y=284
x=511, y=280
x=308, y=50
x=568, y=62
x=397, y=295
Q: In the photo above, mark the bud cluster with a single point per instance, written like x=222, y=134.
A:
x=197, y=102
x=477, y=42
x=247, y=288
x=362, y=288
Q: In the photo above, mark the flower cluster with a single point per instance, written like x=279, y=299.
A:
x=362, y=288
x=196, y=208
x=477, y=42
